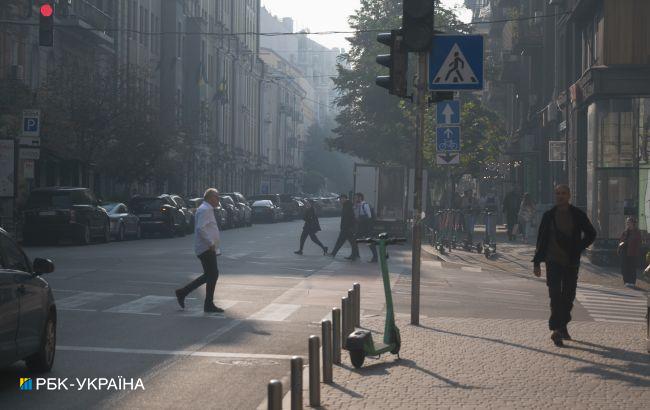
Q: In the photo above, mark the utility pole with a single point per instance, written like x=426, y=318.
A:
x=421, y=97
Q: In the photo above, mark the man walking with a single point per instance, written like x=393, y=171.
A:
x=511, y=209
x=363, y=214
x=347, y=229
x=206, y=247
x=565, y=231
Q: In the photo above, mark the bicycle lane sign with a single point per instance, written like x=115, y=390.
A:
x=448, y=139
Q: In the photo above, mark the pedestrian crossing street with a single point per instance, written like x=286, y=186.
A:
x=612, y=305
x=156, y=305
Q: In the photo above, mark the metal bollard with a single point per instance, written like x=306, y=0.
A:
x=275, y=395
x=351, y=304
x=326, y=326
x=344, y=320
x=336, y=336
x=314, y=371
x=296, y=383
x=357, y=304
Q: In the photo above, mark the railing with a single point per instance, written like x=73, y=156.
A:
x=93, y=16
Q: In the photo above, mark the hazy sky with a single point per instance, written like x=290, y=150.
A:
x=328, y=15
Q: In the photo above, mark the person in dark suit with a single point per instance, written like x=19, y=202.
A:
x=310, y=228
x=348, y=226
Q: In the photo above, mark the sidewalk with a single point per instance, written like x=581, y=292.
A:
x=515, y=257
x=495, y=363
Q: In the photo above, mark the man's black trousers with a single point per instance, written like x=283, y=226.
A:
x=346, y=235
x=312, y=235
x=562, y=282
x=209, y=277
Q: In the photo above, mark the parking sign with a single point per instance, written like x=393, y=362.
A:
x=31, y=123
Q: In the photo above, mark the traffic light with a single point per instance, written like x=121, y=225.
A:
x=417, y=24
x=396, y=61
x=46, y=24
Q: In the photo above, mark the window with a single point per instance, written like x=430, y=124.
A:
x=13, y=257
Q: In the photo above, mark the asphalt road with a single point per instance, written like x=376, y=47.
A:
x=118, y=316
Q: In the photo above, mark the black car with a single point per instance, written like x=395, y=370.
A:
x=187, y=213
x=27, y=309
x=64, y=213
x=275, y=198
x=234, y=215
x=123, y=223
x=245, y=211
x=266, y=211
x=289, y=206
x=220, y=214
x=158, y=214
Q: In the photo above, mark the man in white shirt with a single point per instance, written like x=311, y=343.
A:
x=206, y=247
x=363, y=215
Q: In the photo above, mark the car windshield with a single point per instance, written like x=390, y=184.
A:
x=262, y=204
x=146, y=204
x=58, y=199
x=109, y=207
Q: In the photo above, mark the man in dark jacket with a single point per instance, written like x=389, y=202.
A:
x=565, y=231
x=348, y=225
x=511, y=209
x=310, y=228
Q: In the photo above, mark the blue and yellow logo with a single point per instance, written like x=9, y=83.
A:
x=25, y=383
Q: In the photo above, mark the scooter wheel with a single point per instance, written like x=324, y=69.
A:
x=357, y=357
x=398, y=343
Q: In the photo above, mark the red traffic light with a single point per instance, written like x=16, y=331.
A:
x=47, y=10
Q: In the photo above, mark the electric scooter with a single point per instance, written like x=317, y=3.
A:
x=360, y=343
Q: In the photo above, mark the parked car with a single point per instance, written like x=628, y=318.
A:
x=275, y=198
x=193, y=204
x=188, y=220
x=220, y=214
x=329, y=206
x=245, y=211
x=123, y=223
x=265, y=211
x=234, y=215
x=64, y=213
x=27, y=309
x=158, y=214
x=289, y=206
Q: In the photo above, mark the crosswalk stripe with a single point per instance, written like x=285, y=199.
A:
x=471, y=268
x=614, y=307
x=80, y=299
x=274, y=312
x=630, y=318
x=622, y=320
x=195, y=311
x=613, y=301
x=142, y=305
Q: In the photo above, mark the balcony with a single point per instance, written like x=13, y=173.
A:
x=83, y=14
x=527, y=36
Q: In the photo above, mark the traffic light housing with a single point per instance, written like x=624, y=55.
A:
x=417, y=24
x=46, y=24
x=396, y=61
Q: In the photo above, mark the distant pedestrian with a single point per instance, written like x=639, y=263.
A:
x=348, y=225
x=363, y=215
x=565, y=231
x=629, y=251
x=511, y=209
x=206, y=247
x=310, y=228
x=526, y=216
x=469, y=206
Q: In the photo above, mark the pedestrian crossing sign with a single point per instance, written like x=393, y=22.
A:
x=456, y=63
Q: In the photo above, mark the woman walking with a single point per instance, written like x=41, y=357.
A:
x=526, y=216
x=310, y=228
x=629, y=252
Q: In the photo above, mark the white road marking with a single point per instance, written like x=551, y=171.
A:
x=274, y=312
x=142, y=305
x=77, y=309
x=197, y=311
x=621, y=317
x=622, y=301
x=82, y=291
x=154, y=283
x=289, y=277
x=80, y=299
x=175, y=352
x=432, y=264
x=471, y=268
x=610, y=305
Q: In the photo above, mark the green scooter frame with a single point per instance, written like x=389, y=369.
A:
x=360, y=343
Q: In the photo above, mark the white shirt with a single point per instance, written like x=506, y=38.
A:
x=362, y=208
x=206, y=230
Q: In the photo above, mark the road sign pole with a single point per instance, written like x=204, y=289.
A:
x=417, y=217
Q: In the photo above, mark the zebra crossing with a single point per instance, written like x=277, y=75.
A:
x=611, y=305
x=156, y=305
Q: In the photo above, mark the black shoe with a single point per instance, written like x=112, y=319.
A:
x=298, y=252
x=212, y=309
x=180, y=297
x=556, y=336
x=325, y=251
x=564, y=333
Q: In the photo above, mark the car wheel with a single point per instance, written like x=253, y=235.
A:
x=106, y=237
x=120, y=233
x=43, y=360
x=84, y=238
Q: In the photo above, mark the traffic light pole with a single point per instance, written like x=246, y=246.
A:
x=421, y=100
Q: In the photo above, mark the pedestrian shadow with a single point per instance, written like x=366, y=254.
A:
x=635, y=369
x=345, y=390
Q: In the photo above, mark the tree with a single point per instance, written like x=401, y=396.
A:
x=323, y=166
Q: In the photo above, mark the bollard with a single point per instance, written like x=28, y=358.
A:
x=275, y=395
x=296, y=383
x=327, y=350
x=336, y=336
x=351, y=304
x=344, y=320
x=314, y=371
x=357, y=302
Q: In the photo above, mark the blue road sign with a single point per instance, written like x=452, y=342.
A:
x=448, y=139
x=31, y=123
x=456, y=63
x=448, y=112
